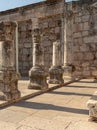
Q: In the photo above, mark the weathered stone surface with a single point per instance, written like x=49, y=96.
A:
x=8, y=76
x=9, y=86
x=80, y=29
x=92, y=105
x=38, y=77
x=50, y=29
x=56, y=71
x=25, y=46
x=37, y=73
x=85, y=41
x=56, y=75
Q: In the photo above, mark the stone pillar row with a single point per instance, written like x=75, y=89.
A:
x=37, y=75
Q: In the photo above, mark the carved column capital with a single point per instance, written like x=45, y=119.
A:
x=36, y=35
x=7, y=30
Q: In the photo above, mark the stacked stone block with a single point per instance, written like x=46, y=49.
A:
x=85, y=42
x=8, y=76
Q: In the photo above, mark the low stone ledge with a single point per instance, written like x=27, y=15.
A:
x=92, y=105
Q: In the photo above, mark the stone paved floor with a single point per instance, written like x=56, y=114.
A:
x=62, y=109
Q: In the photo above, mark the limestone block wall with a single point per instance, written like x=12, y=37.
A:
x=51, y=31
x=85, y=41
x=28, y=18
x=25, y=46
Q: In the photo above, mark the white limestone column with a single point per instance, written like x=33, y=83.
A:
x=68, y=42
x=54, y=55
x=17, y=60
x=34, y=55
x=6, y=55
x=56, y=71
x=57, y=58
x=2, y=58
x=37, y=54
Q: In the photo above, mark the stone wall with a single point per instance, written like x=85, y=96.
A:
x=51, y=30
x=74, y=24
x=25, y=46
x=29, y=17
x=85, y=41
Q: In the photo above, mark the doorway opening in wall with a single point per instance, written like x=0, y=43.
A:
x=24, y=47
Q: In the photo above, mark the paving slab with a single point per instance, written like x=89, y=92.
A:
x=61, y=109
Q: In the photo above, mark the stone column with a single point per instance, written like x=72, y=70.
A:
x=8, y=76
x=68, y=41
x=17, y=48
x=37, y=73
x=56, y=71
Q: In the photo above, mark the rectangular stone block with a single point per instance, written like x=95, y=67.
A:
x=86, y=73
x=92, y=105
x=77, y=35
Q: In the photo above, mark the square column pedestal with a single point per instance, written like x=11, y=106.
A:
x=68, y=72
x=8, y=85
x=56, y=75
x=38, y=78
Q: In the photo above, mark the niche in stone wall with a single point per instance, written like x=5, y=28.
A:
x=25, y=46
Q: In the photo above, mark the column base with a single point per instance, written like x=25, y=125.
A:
x=92, y=105
x=68, y=72
x=9, y=85
x=38, y=78
x=56, y=75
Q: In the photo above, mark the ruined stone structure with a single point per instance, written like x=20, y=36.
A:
x=74, y=24
x=45, y=15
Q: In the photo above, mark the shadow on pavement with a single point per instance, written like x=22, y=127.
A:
x=80, y=86
x=95, y=81
x=43, y=106
x=70, y=93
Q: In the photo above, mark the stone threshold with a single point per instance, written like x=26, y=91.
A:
x=4, y=104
